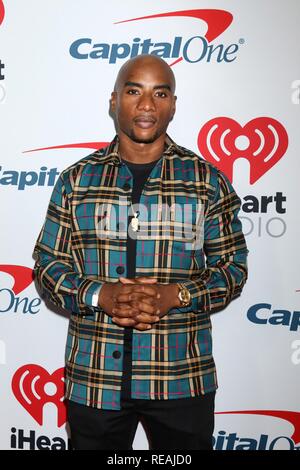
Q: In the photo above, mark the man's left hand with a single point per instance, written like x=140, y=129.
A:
x=143, y=306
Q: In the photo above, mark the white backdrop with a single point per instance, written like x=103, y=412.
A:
x=245, y=69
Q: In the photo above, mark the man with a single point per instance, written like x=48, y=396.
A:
x=141, y=244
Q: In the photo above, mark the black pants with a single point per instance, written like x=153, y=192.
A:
x=182, y=424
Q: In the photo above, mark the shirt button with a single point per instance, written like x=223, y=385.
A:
x=120, y=269
x=116, y=354
x=126, y=187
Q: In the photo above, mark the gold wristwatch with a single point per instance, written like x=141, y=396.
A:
x=184, y=296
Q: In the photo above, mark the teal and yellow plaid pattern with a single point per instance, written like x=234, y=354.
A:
x=83, y=244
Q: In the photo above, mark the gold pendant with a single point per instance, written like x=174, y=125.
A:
x=135, y=222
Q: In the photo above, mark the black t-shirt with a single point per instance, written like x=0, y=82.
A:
x=140, y=173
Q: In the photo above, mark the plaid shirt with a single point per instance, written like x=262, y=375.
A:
x=77, y=252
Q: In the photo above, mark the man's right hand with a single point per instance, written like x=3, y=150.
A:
x=115, y=299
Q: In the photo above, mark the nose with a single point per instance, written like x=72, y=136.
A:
x=146, y=102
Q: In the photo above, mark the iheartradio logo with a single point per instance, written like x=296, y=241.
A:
x=33, y=387
x=262, y=141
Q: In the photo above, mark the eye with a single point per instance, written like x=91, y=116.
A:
x=132, y=91
x=161, y=94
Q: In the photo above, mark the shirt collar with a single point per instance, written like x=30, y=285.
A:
x=111, y=154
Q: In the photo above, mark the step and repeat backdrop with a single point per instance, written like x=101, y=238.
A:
x=238, y=80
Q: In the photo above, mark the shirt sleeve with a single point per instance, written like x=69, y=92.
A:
x=226, y=252
x=54, y=267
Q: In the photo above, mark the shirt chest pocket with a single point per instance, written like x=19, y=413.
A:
x=175, y=231
x=181, y=221
x=103, y=220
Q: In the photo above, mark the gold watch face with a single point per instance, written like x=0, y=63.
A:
x=184, y=296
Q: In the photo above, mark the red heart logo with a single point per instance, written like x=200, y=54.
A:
x=265, y=141
x=29, y=387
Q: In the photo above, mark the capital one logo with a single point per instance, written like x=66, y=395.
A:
x=232, y=441
x=2, y=12
x=44, y=177
x=194, y=49
x=33, y=387
x=263, y=314
x=262, y=141
x=10, y=298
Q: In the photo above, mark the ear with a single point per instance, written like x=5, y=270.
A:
x=174, y=106
x=113, y=101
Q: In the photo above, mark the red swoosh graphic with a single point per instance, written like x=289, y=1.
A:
x=292, y=417
x=22, y=275
x=2, y=11
x=90, y=145
x=217, y=21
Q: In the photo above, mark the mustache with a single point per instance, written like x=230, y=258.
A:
x=145, y=118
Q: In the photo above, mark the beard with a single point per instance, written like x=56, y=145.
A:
x=145, y=140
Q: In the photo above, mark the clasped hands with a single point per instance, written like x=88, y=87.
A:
x=138, y=302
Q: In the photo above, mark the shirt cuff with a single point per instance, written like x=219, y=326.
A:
x=87, y=293
x=200, y=300
x=95, y=297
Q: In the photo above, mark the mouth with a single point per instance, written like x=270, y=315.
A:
x=144, y=122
